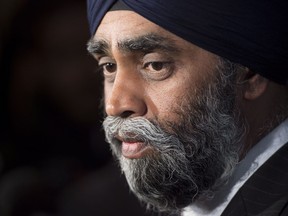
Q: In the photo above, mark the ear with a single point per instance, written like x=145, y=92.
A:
x=254, y=86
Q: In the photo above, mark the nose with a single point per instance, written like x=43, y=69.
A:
x=125, y=96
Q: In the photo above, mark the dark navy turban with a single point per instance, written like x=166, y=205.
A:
x=253, y=33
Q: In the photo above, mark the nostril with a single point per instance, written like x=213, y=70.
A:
x=126, y=114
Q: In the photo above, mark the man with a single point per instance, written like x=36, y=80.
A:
x=196, y=99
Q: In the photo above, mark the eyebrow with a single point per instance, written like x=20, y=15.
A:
x=100, y=47
x=145, y=44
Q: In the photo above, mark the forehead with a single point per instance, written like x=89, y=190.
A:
x=122, y=25
x=115, y=22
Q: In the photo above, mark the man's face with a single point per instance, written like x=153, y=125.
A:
x=170, y=111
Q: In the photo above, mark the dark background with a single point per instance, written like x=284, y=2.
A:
x=53, y=157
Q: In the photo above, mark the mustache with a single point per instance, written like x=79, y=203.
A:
x=139, y=129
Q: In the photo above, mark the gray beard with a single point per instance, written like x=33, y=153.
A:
x=192, y=157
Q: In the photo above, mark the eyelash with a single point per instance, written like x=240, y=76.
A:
x=153, y=70
x=146, y=65
x=156, y=64
x=104, y=66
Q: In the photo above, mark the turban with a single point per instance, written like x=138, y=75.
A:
x=253, y=33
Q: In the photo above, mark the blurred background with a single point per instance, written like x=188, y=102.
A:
x=53, y=157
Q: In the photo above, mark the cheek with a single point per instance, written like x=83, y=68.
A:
x=164, y=101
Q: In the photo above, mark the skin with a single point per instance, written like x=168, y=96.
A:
x=153, y=74
x=264, y=104
x=135, y=87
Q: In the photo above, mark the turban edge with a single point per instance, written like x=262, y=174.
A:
x=251, y=33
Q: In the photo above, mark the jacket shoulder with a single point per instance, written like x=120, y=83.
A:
x=266, y=192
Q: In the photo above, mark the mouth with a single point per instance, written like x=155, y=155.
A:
x=134, y=149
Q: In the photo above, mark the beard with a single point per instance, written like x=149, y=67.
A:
x=192, y=157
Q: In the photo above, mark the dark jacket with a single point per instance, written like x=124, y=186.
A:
x=266, y=191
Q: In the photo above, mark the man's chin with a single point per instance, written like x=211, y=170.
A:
x=160, y=190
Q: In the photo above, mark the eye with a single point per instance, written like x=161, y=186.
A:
x=157, y=70
x=154, y=66
x=108, y=67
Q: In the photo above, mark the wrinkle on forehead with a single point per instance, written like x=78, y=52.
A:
x=117, y=18
x=114, y=24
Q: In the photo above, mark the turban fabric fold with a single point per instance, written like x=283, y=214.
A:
x=253, y=33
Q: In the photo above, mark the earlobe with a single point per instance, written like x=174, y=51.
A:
x=255, y=85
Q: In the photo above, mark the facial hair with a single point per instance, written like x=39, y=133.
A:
x=191, y=157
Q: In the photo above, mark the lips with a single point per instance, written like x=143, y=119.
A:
x=134, y=149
